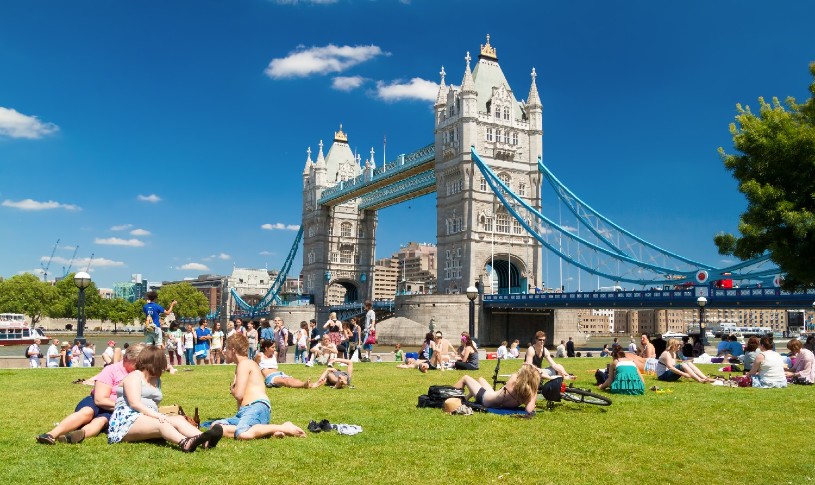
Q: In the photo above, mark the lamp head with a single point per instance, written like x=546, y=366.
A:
x=472, y=293
x=82, y=280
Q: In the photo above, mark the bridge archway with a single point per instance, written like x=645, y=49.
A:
x=342, y=291
x=507, y=274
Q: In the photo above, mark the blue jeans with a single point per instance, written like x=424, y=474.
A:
x=300, y=354
x=258, y=412
x=188, y=356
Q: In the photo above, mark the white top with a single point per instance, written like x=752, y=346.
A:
x=34, y=355
x=267, y=362
x=217, y=339
x=52, y=357
x=772, y=367
x=502, y=352
x=87, y=356
x=189, y=340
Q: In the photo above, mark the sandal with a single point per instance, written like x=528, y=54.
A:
x=215, y=433
x=190, y=444
x=72, y=438
x=46, y=439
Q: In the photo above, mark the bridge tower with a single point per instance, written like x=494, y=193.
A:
x=338, y=241
x=478, y=240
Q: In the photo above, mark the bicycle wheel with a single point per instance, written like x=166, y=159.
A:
x=582, y=396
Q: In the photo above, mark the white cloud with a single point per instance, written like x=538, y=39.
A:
x=417, y=88
x=266, y=253
x=149, y=198
x=139, y=232
x=321, y=60
x=68, y=248
x=193, y=267
x=80, y=264
x=280, y=227
x=224, y=256
x=14, y=124
x=121, y=227
x=35, y=272
x=116, y=241
x=347, y=83
x=33, y=205
x=727, y=261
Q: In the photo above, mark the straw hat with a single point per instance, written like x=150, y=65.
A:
x=65, y=343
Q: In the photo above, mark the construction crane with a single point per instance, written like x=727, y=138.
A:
x=90, y=260
x=47, y=266
x=70, y=263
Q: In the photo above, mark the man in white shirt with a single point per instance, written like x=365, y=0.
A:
x=33, y=353
x=52, y=356
x=107, y=355
x=632, y=347
x=561, y=350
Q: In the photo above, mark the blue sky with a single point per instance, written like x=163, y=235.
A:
x=168, y=138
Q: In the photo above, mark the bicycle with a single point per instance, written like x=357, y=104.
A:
x=554, y=390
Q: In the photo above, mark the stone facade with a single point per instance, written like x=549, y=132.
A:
x=338, y=241
x=474, y=232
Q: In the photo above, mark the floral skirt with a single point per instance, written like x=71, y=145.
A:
x=120, y=422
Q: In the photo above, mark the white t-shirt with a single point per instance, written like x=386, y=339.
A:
x=189, y=340
x=108, y=352
x=502, y=352
x=34, y=355
x=52, y=357
x=87, y=356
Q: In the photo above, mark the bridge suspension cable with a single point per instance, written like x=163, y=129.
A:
x=614, y=253
x=272, y=296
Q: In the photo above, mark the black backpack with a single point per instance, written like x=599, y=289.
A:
x=436, y=395
x=290, y=339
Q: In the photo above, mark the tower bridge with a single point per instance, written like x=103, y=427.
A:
x=486, y=168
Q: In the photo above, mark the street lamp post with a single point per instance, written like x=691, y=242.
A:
x=82, y=280
x=472, y=294
x=702, y=301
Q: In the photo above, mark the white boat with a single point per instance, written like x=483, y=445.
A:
x=14, y=330
x=668, y=335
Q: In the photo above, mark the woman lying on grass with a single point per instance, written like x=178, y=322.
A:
x=136, y=416
x=521, y=390
x=267, y=361
x=669, y=370
x=336, y=378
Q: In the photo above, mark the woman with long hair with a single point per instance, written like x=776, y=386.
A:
x=334, y=328
x=669, y=370
x=623, y=375
x=750, y=353
x=467, y=354
x=521, y=390
x=768, y=368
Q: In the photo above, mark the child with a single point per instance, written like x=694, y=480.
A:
x=398, y=356
x=152, y=310
x=249, y=390
x=502, y=351
x=514, y=352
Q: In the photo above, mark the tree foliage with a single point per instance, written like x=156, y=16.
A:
x=65, y=306
x=122, y=311
x=776, y=172
x=28, y=295
x=191, y=302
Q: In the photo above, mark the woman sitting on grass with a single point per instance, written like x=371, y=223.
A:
x=136, y=416
x=623, y=375
x=91, y=415
x=768, y=368
x=467, y=354
x=669, y=370
x=750, y=352
x=521, y=390
x=322, y=352
x=268, y=367
x=803, y=371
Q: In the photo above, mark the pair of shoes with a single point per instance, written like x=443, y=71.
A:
x=325, y=425
x=314, y=427
x=46, y=439
x=310, y=364
x=73, y=437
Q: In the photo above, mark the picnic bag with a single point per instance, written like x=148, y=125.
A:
x=371, y=339
x=436, y=395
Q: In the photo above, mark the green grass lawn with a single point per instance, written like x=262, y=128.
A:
x=695, y=434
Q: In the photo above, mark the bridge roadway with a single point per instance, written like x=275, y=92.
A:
x=716, y=298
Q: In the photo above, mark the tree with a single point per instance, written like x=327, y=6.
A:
x=191, y=302
x=26, y=294
x=65, y=305
x=122, y=311
x=776, y=172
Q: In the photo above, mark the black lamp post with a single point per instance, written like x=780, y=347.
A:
x=82, y=280
x=702, y=301
x=472, y=294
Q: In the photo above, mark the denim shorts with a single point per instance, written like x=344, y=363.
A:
x=271, y=377
x=258, y=412
x=98, y=412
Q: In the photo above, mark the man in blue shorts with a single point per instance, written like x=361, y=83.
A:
x=203, y=335
x=249, y=390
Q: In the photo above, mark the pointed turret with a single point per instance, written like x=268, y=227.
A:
x=373, y=160
x=320, y=158
x=533, y=100
x=309, y=163
x=468, y=84
x=443, y=89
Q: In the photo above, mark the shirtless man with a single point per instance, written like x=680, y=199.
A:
x=249, y=390
x=537, y=353
x=648, y=351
